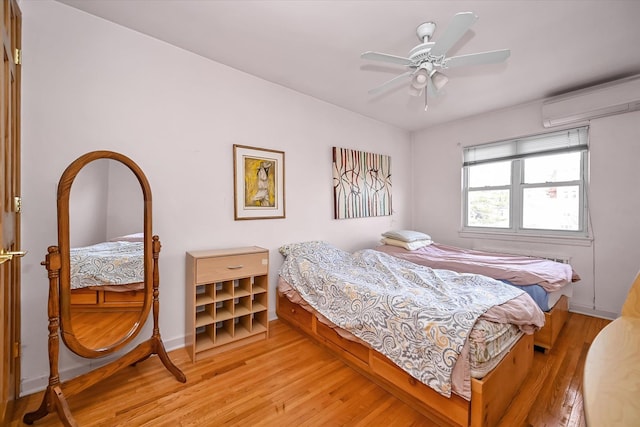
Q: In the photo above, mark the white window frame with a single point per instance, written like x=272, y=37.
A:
x=516, y=151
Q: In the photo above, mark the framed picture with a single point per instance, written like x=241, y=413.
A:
x=258, y=181
x=361, y=184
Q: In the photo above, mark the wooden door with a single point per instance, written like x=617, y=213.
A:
x=10, y=33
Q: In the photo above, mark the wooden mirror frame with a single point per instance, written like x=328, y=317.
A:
x=64, y=192
x=57, y=263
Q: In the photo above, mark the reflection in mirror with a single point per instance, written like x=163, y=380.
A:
x=106, y=253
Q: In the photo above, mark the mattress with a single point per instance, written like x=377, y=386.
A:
x=554, y=297
x=545, y=300
x=489, y=342
x=128, y=287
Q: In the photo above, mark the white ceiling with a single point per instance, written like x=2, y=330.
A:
x=314, y=47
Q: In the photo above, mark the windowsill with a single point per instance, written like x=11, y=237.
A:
x=532, y=238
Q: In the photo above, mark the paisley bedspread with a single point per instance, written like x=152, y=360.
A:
x=416, y=316
x=107, y=263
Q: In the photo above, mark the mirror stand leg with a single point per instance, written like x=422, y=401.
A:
x=158, y=346
x=62, y=408
x=43, y=410
x=164, y=358
x=53, y=398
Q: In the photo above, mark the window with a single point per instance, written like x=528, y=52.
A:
x=534, y=185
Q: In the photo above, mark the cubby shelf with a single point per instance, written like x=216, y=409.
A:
x=227, y=299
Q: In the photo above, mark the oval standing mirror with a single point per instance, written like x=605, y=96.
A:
x=108, y=223
x=104, y=236
x=106, y=218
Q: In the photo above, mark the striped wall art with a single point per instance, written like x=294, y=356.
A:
x=361, y=184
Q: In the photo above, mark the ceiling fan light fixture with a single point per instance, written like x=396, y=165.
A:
x=419, y=81
x=439, y=79
x=426, y=57
x=415, y=91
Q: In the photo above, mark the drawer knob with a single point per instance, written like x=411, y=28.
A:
x=235, y=267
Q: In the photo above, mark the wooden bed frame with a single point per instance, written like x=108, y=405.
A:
x=90, y=300
x=554, y=320
x=490, y=396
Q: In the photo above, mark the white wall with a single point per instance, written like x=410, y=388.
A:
x=106, y=201
x=89, y=84
x=88, y=205
x=125, y=210
x=609, y=263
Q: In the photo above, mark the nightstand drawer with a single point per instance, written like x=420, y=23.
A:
x=231, y=267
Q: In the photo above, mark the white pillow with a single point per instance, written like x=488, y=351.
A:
x=406, y=235
x=135, y=237
x=410, y=246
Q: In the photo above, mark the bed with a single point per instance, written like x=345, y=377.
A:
x=108, y=275
x=549, y=283
x=454, y=346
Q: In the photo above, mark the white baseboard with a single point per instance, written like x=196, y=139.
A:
x=590, y=311
x=36, y=384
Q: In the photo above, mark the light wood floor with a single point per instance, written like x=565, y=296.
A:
x=118, y=324
x=288, y=380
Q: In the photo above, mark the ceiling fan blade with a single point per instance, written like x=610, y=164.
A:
x=385, y=57
x=390, y=83
x=459, y=25
x=490, y=57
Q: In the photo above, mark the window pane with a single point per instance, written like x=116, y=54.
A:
x=555, y=168
x=488, y=209
x=551, y=208
x=490, y=174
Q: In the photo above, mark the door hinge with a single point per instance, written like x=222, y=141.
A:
x=16, y=349
x=17, y=204
x=18, y=57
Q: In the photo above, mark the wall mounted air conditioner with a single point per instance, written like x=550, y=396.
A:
x=616, y=97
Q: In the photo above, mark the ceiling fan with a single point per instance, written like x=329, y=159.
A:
x=427, y=59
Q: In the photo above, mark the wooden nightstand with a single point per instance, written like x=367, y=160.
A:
x=227, y=299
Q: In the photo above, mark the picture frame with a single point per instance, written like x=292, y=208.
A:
x=258, y=182
x=361, y=184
